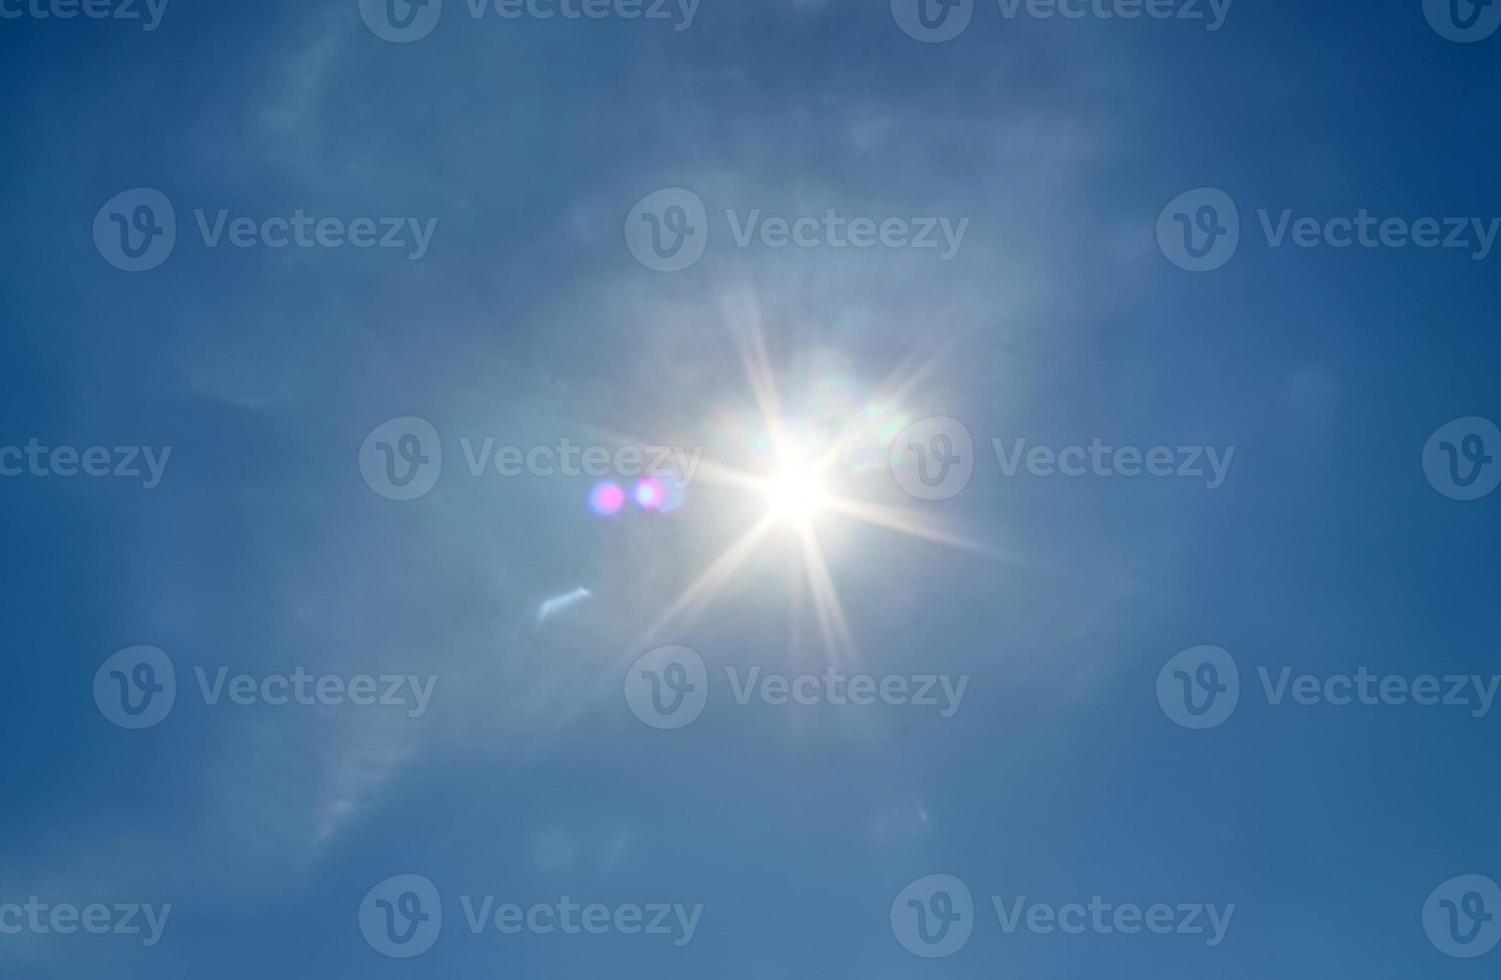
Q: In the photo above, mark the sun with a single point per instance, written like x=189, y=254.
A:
x=795, y=494
x=801, y=490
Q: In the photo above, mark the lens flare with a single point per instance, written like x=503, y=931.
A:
x=607, y=499
x=650, y=494
x=800, y=467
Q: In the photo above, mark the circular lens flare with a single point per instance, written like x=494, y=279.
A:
x=607, y=499
x=650, y=494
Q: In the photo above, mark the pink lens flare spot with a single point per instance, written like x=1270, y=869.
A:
x=650, y=493
x=607, y=499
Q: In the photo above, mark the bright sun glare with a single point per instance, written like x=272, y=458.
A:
x=798, y=497
x=795, y=494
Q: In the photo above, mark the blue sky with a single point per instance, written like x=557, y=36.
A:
x=524, y=145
